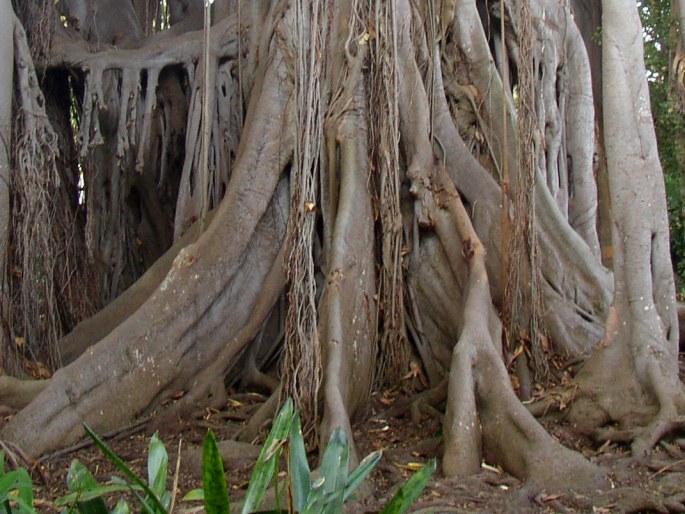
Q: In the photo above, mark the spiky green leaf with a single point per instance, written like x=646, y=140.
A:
x=213, y=479
x=298, y=467
x=266, y=468
x=157, y=464
x=411, y=490
x=153, y=503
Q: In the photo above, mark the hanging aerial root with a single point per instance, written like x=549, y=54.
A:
x=301, y=366
x=523, y=310
x=42, y=227
x=384, y=136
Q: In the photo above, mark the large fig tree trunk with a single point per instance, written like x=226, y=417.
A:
x=642, y=330
x=386, y=178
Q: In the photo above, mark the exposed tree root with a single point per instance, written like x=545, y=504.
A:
x=428, y=401
x=259, y=420
x=16, y=393
x=93, y=329
x=186, y=318
x=207, y=314
x=348, y=310
x=118, y=433
x=631, y=378
x=208, y=386
x=233, y=455
x=571, y=330
x=644, y=438
x=484, y=417
x=429, y=398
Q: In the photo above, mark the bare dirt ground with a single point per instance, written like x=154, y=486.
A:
x=655, y=483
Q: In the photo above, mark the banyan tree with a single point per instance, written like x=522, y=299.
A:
x=318, y=197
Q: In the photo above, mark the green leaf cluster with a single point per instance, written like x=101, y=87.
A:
x=16, y=490
x=298, y=492
x=87, y=495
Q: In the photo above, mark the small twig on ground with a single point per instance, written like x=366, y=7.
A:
x=86, y=443
x=14, y=455
x=177, y=474
x=431, y=507
x=665, y=469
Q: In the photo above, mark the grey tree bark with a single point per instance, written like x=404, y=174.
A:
x=642, y=328
x=6, y=90
x=365, y=162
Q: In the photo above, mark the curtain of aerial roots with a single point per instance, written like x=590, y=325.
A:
x=522, y=288
x=384, y=135
x=301, y=364
x=48, y=290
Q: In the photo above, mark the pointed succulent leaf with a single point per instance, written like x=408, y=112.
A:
x=410, y=491
x=157, y=464
x=213, y=479
x=266, y=468
x=298, y=467
x=121, y=465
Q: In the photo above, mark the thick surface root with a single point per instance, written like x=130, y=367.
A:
x=93, y=329
x=17, y=394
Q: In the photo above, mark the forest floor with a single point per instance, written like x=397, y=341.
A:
x=655, y=483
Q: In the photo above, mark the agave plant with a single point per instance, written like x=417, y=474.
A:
x=324, y=495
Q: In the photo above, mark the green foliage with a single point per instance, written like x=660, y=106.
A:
x=675, y=192
x=16, y=490
x=87, y=494
x=328, y=496
x=669, y=124
x=86, y=491
x=298, y=467
x=266, y=468
x=324, y=495
x=410, y=491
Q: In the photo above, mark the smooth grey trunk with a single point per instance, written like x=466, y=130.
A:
x=631, y=378
x=644, y=289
